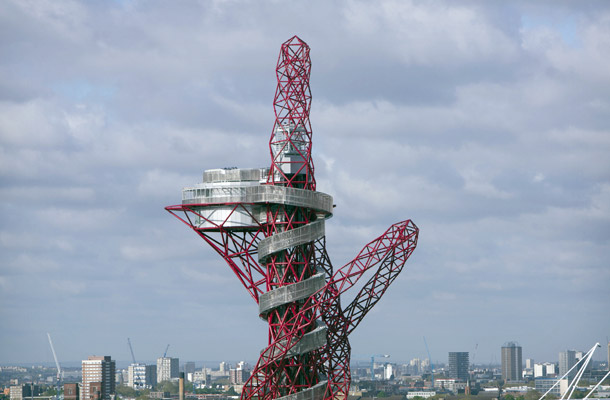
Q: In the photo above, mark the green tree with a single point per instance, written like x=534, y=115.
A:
x=126, y=391
x=168, y=386
x=579, y=394
x=143, y=394
x=207, y=391
x=532, y=395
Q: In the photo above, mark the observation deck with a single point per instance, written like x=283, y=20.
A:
x=215, y=199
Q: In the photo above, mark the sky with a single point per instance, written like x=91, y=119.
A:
x=486, y=123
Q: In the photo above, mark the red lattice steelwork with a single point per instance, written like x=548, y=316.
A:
x=271, y=233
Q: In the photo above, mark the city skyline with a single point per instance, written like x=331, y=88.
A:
x=490, y=122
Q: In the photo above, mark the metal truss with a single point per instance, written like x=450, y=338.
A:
x=271, y=234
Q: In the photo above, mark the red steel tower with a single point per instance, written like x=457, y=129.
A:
x=268, y=225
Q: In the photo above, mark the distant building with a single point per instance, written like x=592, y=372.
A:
x=151, y=375
x=512, y=366
x=581, y=355
x=458, y=365
x=189, y=367
x=539, y=370
x=95, y=390
x=121, y=377
x=136, y=376
x=71, y=391
x=424, y=394
x=167, y=368
x=159, y=395
x=567, y=359
x=16, y=392
x=452, y=385
x=388, y=371
x=415, y=367
x=545, y=370
x=201, y=378
x=20, y=392
x=238, y=376
x=529, y=363
x=98, y=376
x=544, y=384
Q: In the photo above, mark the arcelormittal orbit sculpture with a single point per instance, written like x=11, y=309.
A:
x=268, y=225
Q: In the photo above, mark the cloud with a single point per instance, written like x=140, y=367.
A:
x=486, y=124
x=69, y=287
x=430, y=34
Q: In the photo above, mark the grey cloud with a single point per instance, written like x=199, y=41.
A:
x=486, y=124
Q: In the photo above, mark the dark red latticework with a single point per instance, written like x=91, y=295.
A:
x=280, y=255
x=292, y=129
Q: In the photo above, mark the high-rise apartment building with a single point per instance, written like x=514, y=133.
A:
x=189, y=367
x=388, y=371
x=141, y=376
x=98, y=378
x=539, y=371
x=567, y=359
x=544, y=370
x=151, y=375
x=167, y=368
x=512, y=366
x=238, y=376
x=458, y=365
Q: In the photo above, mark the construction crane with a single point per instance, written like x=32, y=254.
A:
x=474, y=353
x=58, y=380
x=373, y=363
x=131, y=349
x=430, y=360
x=167, y=348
